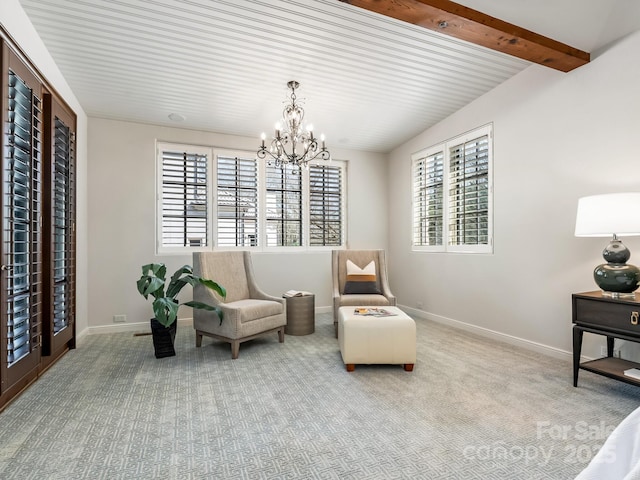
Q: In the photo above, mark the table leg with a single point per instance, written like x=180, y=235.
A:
x=610, y=341
x=577, y=349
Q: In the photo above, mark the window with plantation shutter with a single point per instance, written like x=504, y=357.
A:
x=217, y=198
x=59, y=225
x=325, y=205
x=428, y=200
x=184, y=196
x=237, y=213
x=283, y=205
x=22, y=202
x=452, y=205
x=61, y=174
x=37, y=251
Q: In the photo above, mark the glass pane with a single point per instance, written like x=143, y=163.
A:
x=283, y=206
x=428, y=201
x=184, y=199
x=21, y=199
x=237, y=202
x=325, y=205
x=469, y=192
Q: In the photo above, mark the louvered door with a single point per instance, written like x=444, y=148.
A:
x=21, y=249
x=59, y=228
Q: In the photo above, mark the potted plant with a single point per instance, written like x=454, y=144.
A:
x=165, y=303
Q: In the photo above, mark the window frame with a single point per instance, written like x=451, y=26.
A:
x=445, y=147
x=263, y=213
x=343, y=166
x=195, y=149
x=228, y=153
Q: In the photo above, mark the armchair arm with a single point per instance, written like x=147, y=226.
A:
x=334, y=274
x=384, y=279
x=207, y=321
x=336, y=285
x=254, y=290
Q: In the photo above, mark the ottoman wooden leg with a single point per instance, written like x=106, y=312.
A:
x=351, y=367
x=408, y=367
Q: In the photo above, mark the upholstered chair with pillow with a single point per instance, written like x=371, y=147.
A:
x=248, y=311
x=359, y=279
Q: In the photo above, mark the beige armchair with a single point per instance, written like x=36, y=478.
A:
x=380, y=293
x=248, y=311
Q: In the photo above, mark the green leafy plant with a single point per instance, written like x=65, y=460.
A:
x=165, y=304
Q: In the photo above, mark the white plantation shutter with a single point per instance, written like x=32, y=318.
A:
x=283, y=205
x=325, y=205
x=184, y=196
x=428, y=200
x=237, y=211
x=469, y=192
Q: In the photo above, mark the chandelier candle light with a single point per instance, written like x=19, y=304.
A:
x=612, y=215
x=293, y=144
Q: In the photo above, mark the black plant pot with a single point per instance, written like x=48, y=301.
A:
x=163, y=338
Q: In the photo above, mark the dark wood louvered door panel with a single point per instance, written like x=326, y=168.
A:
x=21, y=249
x=59, y=229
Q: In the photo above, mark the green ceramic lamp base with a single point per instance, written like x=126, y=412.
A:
x=617, y=278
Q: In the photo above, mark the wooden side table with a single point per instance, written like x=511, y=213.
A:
x=301, y=315
x=612, y=318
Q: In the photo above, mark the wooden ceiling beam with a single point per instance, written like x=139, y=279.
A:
x=453, y=19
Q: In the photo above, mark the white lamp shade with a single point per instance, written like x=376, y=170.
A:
x=605, y=215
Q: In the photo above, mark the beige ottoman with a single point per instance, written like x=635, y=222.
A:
x=376, y=340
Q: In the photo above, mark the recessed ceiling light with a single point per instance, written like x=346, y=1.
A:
x=176, y=117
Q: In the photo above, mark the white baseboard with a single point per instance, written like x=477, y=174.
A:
x=324, y=309
x=420, y=314
x=130, y=327
x=485, y=332
x=145, y=327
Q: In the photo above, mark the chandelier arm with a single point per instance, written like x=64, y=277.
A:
x=264, y=153
x=323, y=154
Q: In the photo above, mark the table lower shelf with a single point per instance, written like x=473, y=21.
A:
x=613, y=368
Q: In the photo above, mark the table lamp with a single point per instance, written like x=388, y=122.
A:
x=616, y=215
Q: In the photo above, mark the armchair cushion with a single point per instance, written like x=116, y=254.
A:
x=364, y=299
x=253, y=309
x=361, y=280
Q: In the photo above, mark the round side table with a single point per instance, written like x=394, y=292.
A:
x=301, y=315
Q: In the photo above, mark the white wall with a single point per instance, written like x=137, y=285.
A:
x=15, y=21
x=122, y=219
x=557, y=137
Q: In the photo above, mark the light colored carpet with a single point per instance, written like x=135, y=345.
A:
x=472, y=409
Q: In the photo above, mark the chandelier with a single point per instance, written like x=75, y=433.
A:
x=293, y=143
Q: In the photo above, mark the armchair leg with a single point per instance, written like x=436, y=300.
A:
x=198, y=339
x=281, y=335
x=235, y=349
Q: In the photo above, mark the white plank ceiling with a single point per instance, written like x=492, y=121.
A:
x=369, y=82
